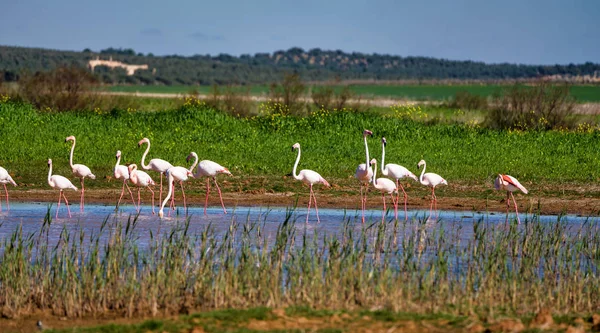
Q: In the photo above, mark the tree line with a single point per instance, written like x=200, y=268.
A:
x=314, y=65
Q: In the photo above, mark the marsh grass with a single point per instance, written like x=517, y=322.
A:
x=413, y=267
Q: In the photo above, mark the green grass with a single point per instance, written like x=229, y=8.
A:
x=583, y=93
x=258, y=147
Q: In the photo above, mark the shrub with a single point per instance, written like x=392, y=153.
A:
x=288, y=94
x=542, y=106
x=468, y=101
x=325, y=97
x=235, y=101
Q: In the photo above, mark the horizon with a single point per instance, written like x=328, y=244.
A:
x=536, y=32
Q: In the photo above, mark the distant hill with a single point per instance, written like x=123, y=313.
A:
x=264, y=68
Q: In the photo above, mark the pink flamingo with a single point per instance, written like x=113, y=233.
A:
x=509, y=184
x=181, y=174
x=432, y=180
x=364, y=174
x=309, y=177
x=61, y=183
x=122, y=172
x=156, y=164
x=4, y=179
x=80, y=171
x=208, y=169
x=141, y=179
x=397, y=172
x=385, y=185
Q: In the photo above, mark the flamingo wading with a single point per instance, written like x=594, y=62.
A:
x=364, y=173
x=397, y=172
x=80, y=171
x=61, y=183
x=509, y=184
x=122, y=172
x=309, y=177
x=180, y=174
x=208, y=169
x=4, y=179
x=141, y=179
x=385, y=185
x=432, y=180
x=155, y=164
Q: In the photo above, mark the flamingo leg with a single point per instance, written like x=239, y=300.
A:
x=183, y=193
x=66, y=203
x=81, y=202
x=7, y=204
x=405, y=199
x=160, y=193
x=362, y=203
x=395, y=202
x=172, y=205
x=121, y=196
x=148, y=187
x=139, y=206
x=207, y=191
x=383, y=212
x=132, y=199
x=220, y=196
x=316, y=208
x=309, y=201
x=507, y=206
x=516, y=209
x=432, y=200
x=58, y=205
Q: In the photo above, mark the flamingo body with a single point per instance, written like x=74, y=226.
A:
x=60, y=183
x=510, y=184
x=79, y=171
x=310, y=178
x=364, y=174
x=210, y=170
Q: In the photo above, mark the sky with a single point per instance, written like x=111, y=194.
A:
x=493, y=31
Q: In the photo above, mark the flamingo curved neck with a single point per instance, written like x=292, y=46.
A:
x=118, y=162
x=422, y=173
x=367, y=151
x=296, y=166
x=195, y=163
x=50, y=174
x=384, y=170
x=375, y=175
x=144, y=165
x=71, y=157
x=171, y=181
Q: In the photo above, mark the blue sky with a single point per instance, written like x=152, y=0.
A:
x=523, y=31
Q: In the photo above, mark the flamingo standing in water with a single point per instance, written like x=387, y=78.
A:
x=122, y=172
x=176, y=173
x=80, y=171
x=4, y=179
x=432, y=180
x=208, y=169
x=397, y=172
x=309, y=177
x=141, y=179
x=364, y=173
x=509, y=184
x=61, y=183
x=156, y=164
x=385, y=185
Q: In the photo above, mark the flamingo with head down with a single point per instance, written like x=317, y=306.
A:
x=509, y=184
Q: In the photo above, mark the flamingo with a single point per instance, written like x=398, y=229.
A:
x=176, y=173
x=309, y=177
x=364, y=173
x=156, y=164
x=432, y=180
x=4, y=179
x=385, y=185
x=122, y=172
x=397, y=172
x=510, y=184
x=61, y=183
x=80, y=171
x=141, y=179
x=208, y=169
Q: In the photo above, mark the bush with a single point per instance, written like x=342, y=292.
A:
x=542, y=106
x=325, y=97
x=288, y=94
x=235, y=101
x=65, y=88
x=466, y=101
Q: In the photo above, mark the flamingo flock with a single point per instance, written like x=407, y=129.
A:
x=366, y=173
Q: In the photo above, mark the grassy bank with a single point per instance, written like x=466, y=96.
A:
x=582, y=93
x=258, y=149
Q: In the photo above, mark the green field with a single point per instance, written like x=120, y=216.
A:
x=583, y=93
x=260, y=146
